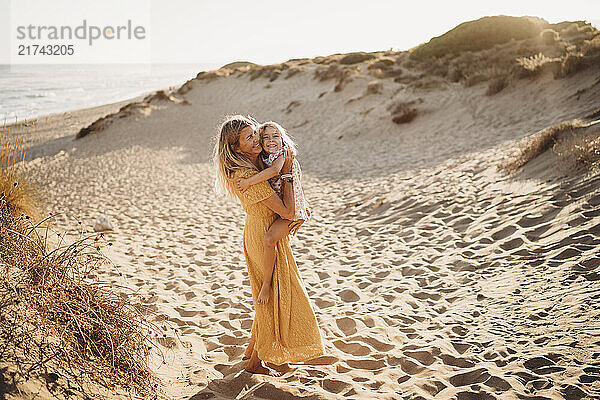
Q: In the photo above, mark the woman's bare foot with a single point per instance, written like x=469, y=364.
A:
x=283, y=368
x=255, y=366
x=258, y=369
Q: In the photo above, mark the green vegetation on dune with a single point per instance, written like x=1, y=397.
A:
x=355, y=58
x=479, y=34
x=238, y=64
x=559, y=26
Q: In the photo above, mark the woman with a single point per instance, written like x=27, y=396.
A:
x=285, y=328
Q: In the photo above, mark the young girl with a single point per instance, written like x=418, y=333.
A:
x=274, y=140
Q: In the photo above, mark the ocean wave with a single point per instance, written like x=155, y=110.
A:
x=37, y=95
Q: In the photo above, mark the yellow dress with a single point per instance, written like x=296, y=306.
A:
x=285, y=329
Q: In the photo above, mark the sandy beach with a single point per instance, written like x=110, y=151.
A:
x=432, y=273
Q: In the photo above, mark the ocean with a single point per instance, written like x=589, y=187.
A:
x=29, y=91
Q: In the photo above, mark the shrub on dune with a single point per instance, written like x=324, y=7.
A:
x=57, y=325
x=300, y=61
x=575, y=30
x=324, y=73
x=455, y=74
x=489, y=49
x=136, y=107
x=567, y=25
x=380, y=73
x=549, y=36
x=478, y=35
x=579, y=152
x=383, y=67
x=333, y=58
x=296, y=69
x=528, y=67
x=20, y=193
x=428, y=82
x=238, y=64
x=572, y=64
x=382, y=63
x=374, y=87
x=592, y=46
x=271, y=72
x=403, y=111
x=537, y=144
x=355, y=58
x=210, y=76
x=342, y=75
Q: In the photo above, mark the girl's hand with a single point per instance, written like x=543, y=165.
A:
x=295, y=225
x=242, y=184
x=289, y=159
x=265, y=293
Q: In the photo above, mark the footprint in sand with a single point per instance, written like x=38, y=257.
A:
x=356, y=349
x=367, y=364
x=334, y=385
x=479, y=375
x=504, y=232
x=433, y=388
x=231, y=340
x=456, y=361
x=346, y=325
x=348, y=295
x=423, y=357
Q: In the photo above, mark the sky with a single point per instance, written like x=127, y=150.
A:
x=264, y=31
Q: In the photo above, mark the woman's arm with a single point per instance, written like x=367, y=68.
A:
x=267, y=173
x=286, y=208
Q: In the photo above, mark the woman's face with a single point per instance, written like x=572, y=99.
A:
x=271, y=140
x=248, y=143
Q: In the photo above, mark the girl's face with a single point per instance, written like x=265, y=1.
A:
x=271, y=140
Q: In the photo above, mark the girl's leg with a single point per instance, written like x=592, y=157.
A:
x=279, y=229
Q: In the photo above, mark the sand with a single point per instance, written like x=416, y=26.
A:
x=431, y=273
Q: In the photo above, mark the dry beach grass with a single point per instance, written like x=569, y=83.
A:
x=62, y=333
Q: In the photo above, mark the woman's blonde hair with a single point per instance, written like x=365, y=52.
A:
x=226, y=160
x=285, y=137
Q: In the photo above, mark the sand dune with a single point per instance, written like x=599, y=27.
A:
x=432, y=273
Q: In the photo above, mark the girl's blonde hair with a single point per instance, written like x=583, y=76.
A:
x=225, y=159
x=285, y=137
